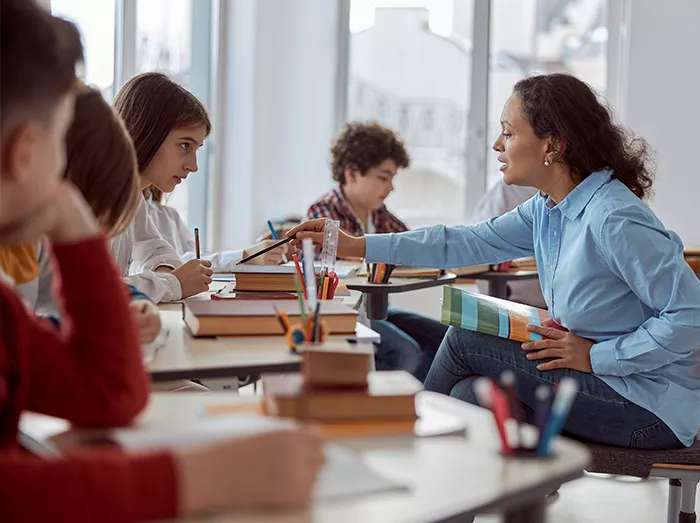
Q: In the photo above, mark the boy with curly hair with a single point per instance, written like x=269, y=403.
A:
x=365, y=158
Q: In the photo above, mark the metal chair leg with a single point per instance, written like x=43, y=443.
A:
x=688, y=490
x=674, y=500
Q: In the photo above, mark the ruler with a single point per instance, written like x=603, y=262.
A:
x=329, y=253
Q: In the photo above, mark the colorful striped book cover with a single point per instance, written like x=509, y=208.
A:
x=488, y=315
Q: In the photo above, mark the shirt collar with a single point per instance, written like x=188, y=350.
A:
x=576, y=201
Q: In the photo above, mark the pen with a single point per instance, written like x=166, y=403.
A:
x=508, y=382
x=198, y=253
x=499, y=405
x=317, y=323
x=484, y=390
x=543, y=405
x=560, y=409
x=274, y=235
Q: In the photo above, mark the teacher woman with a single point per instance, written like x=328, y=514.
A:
x=625, y=305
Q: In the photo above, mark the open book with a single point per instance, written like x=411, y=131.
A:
x=489, y=315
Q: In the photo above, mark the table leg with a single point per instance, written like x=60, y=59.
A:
x=533, y=512
x=498, y=289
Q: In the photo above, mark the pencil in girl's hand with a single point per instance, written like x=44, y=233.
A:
x=198, y=253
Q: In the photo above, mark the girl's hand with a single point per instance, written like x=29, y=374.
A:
x=567, y=350
x=283, y=467
x=194, y=277
x=348, y=246
x=147, y=319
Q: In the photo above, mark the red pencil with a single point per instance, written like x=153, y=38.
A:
x=501, y=412
x=300, y=274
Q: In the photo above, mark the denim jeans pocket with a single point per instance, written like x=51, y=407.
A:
x=654, y=437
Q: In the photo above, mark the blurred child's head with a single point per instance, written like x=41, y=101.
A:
x=365, y=158
x=168, y=124
x=101, y=161
x=37, y=76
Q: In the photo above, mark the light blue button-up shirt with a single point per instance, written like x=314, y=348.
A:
x=609, y=271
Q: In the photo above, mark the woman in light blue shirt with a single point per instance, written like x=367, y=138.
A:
x=610, y=273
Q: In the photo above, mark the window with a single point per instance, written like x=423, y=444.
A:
x=96, y=21
x=543, y=36
x=409, y=69
x=420, y=67
x=173, y=36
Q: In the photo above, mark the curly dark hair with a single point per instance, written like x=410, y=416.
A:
x=363, y=145
x=568, y=110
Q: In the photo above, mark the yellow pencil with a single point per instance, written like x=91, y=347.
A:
x=324, y=292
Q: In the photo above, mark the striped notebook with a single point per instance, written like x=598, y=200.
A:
x=488, y=315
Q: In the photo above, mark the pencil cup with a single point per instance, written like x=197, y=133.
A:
x=377, y=306
x=524, y=453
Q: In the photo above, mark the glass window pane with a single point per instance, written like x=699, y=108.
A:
x=164, y=42
x=543, y=36
x=95, y=20
x=409, y=69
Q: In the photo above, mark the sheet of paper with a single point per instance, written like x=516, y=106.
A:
x=197, y=433
x=344, y=473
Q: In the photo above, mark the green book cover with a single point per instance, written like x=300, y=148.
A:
x=489, y=315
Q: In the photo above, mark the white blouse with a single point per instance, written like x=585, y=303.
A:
x=171, y=227
x=139, y=250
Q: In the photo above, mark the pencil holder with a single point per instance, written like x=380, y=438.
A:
x=377, y=306
x=524, y=453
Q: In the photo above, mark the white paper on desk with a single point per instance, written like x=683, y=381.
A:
x=148, y=350
x=346, y=475
x=197, y=433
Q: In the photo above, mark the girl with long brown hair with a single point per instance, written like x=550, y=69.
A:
x=168, y=124
x=625, y=306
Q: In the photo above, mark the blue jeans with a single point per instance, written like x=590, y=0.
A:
x=599, y=414
x=409, y=342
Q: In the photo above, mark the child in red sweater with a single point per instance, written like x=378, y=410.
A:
x=91, y=373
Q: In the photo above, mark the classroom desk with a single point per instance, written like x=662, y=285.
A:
x=376, y=295
x=498, y=281
x=450, y=477
x=186, y=357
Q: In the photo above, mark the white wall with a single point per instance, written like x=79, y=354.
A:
x=662, y=105
x=278, y=107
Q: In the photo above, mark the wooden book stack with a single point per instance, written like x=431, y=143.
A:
x=336, y=385
x=258, y=317
x=265, y=278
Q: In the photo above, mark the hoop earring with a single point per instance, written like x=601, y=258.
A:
x=546, y=163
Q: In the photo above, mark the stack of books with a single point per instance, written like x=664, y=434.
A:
x=259, y=317
x=336, y=385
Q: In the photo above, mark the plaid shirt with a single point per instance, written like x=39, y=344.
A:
x=333, y=205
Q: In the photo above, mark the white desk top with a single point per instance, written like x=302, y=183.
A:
x=449, y=476
x=185, y=357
